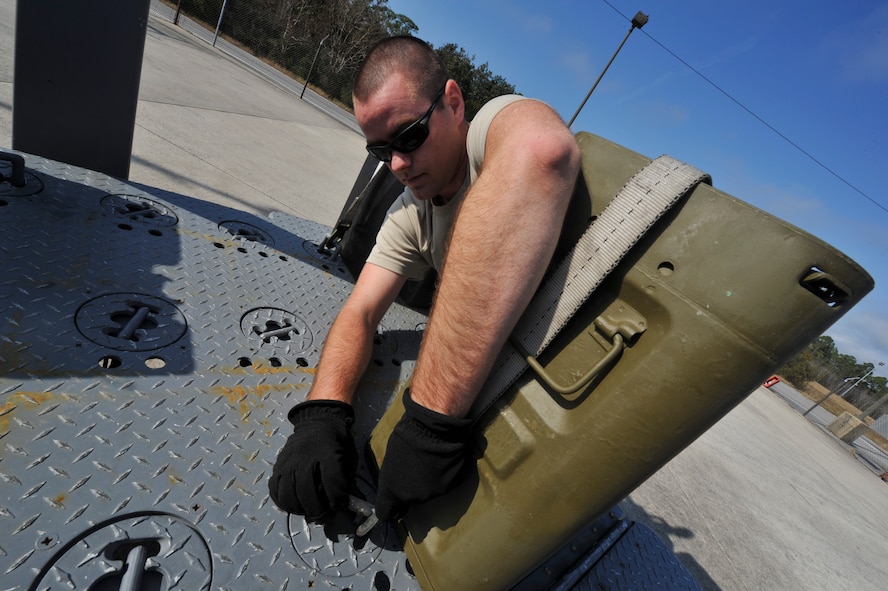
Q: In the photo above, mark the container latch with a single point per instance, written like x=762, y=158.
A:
x=620, y=323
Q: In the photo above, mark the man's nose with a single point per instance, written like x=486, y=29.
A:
x=400, y=161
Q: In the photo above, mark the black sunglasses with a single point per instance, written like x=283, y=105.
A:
x=408, y=139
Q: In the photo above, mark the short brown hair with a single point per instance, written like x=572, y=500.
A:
x=413, y=58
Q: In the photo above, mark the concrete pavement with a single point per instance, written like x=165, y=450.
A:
x=764, y=500
x=767, y=500
x=208, y=127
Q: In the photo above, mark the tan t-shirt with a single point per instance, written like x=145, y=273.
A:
x=413, y=237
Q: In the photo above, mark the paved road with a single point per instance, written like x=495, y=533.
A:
x=767, y=500
x=763, y=500
x=868, y=453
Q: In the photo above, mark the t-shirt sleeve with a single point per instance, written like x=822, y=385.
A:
x=396, y=247
x=477, y=138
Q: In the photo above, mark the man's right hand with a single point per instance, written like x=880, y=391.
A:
x=315, y=470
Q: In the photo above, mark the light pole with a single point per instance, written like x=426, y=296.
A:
x=860, y=379
x=219, y=22
x=875, y=406
x=824, y=399
x=321, y=44
x=638, y=22
x=851, y=387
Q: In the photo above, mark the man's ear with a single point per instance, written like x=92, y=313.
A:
x=453, y=99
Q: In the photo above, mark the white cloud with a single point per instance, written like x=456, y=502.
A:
x=792, y=202
x=727, y=54
x=863, y=334
x=535, y=24
x=861, y=47
x=661, y=113
x=578, y=63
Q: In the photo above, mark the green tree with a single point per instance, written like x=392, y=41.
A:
x=290, y=33
x=822, y=362
x=352, y=27
x=879, y=386
x=800, y=368
x=478, y=83
x=397, y=24
x=823, y=349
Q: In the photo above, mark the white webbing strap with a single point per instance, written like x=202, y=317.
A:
x=639, y=204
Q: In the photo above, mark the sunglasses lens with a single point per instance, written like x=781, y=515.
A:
x=383, y=153
x=407, y=141
x=411, y=138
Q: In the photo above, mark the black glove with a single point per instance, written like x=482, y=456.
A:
x=315, y=470
x=425, y=457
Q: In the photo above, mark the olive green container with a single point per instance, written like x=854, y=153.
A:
x=713, y=300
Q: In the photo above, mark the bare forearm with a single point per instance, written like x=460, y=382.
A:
x=344, y=359
x=349, y=343
x=479, y=301
x=502, y=242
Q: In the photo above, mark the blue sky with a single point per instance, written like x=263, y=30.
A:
x=815, y=71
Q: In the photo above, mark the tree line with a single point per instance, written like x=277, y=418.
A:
x=822, y=362
x=330, y=38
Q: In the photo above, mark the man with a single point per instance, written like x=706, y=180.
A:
x=502, y=221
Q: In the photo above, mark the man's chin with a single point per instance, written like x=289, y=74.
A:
x=421, y=191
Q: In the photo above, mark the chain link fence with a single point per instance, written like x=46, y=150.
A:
x=860, y=397
x=317, y=46
x=305, y=49
x=862, y=425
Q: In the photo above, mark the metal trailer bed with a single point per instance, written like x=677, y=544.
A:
x=151, y=346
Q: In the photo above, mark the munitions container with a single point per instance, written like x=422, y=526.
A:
x=712, y=300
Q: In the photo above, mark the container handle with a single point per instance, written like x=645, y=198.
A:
x=18, y=168
x=829, y=289
x=612, y=354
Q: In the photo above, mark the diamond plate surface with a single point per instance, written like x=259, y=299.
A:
x=115, y=452
x=139, y=209
x=130, y=322
x=639, y=560
x=151, y=346
x=164, y=548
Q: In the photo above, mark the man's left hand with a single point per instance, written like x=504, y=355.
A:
x=426, y=456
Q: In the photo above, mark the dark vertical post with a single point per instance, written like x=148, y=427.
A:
x=638, y=22
x=219, y=22
x=77, y=71
x=312, y=67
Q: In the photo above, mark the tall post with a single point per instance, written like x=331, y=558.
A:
x=825, y=398
x=875, y=406
x=311, y=68
x=219, y=22
x=860, y=379
x=882, y=402
x=638, y=22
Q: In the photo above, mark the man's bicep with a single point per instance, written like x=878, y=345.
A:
x=529, y=134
